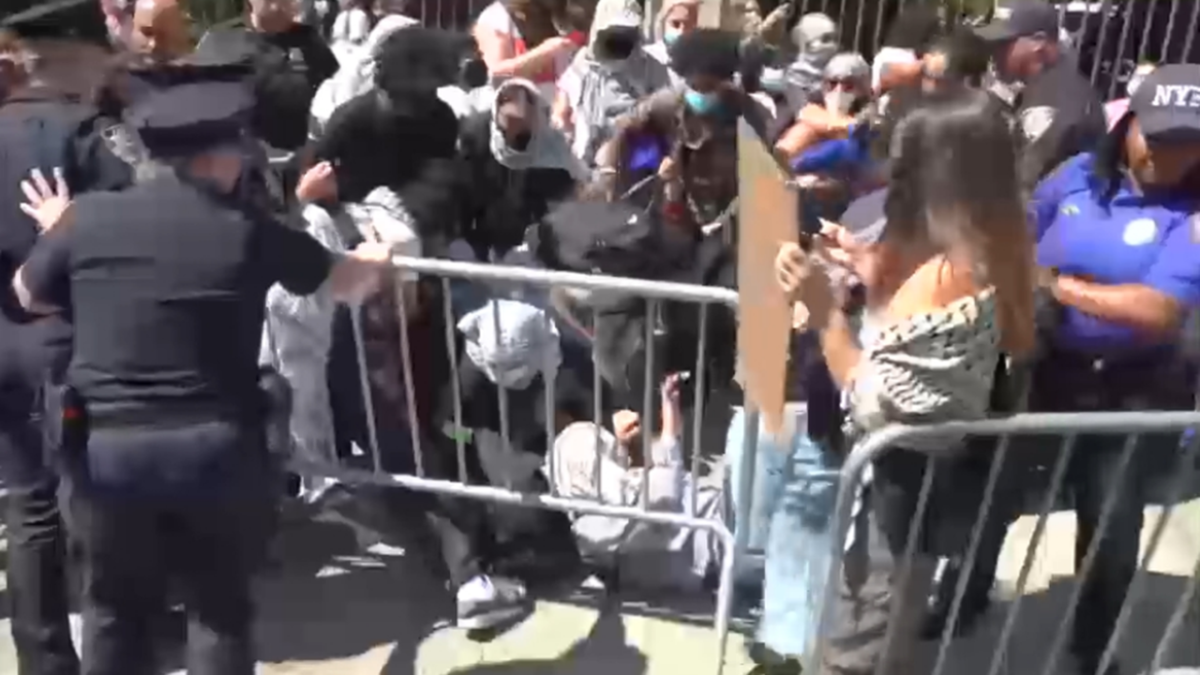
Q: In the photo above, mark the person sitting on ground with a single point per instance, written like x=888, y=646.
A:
x=615, y=468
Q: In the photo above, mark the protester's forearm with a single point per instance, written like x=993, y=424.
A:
x=1139, y=307
x=840, y=348
x=524, y=65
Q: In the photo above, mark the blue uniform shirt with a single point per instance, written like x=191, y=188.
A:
x=1133, y=239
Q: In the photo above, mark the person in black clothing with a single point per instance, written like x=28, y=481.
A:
x=56, y=58
x=164, y=452
x=1057, y=110
x=291, y=61
x=519, y=166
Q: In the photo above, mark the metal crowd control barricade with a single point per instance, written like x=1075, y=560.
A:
x=1067, y=428
x=503, y=278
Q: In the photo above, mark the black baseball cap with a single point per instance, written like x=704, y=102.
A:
x=1167, y=104
x=1026, y=18
x=61, y=19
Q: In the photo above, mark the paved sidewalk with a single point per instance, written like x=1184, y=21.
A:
x=345, y=605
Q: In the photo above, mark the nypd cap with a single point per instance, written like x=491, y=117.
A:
x=69, y=19
x=187, y=119
x=1167, y=104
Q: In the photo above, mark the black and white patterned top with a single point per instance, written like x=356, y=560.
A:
x=932, y=367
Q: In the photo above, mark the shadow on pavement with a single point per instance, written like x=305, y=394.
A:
x=1042, y=612
x=603, y=651
x=332, y=599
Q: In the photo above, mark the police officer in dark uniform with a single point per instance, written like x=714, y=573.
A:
x=167, y=472
x=1057, y=110
x=290, y=62
x=57, y=56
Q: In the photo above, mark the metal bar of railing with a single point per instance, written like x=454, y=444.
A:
x=1058, y=474
x=460, y=442
x=365, y=383
x=1107, y=11
x=1089, y=559
x=1182, y=478
x=661, y=290
x=406, y=365
x=981, y=523
x=698, y=408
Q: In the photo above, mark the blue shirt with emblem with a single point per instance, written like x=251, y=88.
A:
x=1130, y=239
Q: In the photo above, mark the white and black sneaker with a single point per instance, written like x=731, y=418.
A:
x=486, y=602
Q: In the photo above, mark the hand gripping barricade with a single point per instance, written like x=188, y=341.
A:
x=501, y=280
x=1170, y=634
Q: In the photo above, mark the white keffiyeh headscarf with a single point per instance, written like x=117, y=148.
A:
x=512, y=342
x=548, y=149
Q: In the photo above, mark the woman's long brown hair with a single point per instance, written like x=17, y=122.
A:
x=955, y=184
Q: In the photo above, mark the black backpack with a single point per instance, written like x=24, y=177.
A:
x=611, y=238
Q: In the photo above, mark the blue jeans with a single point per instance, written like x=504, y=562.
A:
x=790, y=520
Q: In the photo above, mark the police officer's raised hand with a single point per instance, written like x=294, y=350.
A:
x=46, y=204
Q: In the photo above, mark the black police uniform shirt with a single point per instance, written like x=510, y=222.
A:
x=1059, y=115
x=288, y=68
x=41, y=129
x=167, y=283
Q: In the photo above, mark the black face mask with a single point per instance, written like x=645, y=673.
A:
x=616, y=46
x=520, y=142
x=472, y=73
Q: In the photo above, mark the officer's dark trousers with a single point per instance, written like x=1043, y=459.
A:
x=37, y=578
x=186, y=506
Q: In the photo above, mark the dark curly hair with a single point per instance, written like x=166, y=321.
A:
x=707, y=51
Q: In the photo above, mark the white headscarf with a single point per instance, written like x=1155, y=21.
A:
x=815, y=38
x=511, y=351
x=356, y=76
x=548, y=148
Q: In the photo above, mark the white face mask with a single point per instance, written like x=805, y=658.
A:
x=839, y=101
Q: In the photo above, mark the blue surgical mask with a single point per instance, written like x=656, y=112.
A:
x=670, y=36
x=701, y=103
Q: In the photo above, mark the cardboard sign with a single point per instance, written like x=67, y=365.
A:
x=767, y=217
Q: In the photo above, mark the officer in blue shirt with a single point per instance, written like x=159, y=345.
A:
x=1119, y=247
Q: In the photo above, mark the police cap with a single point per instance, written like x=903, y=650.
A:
x=1167, y=104
x=70, y=19
x=188, y=119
